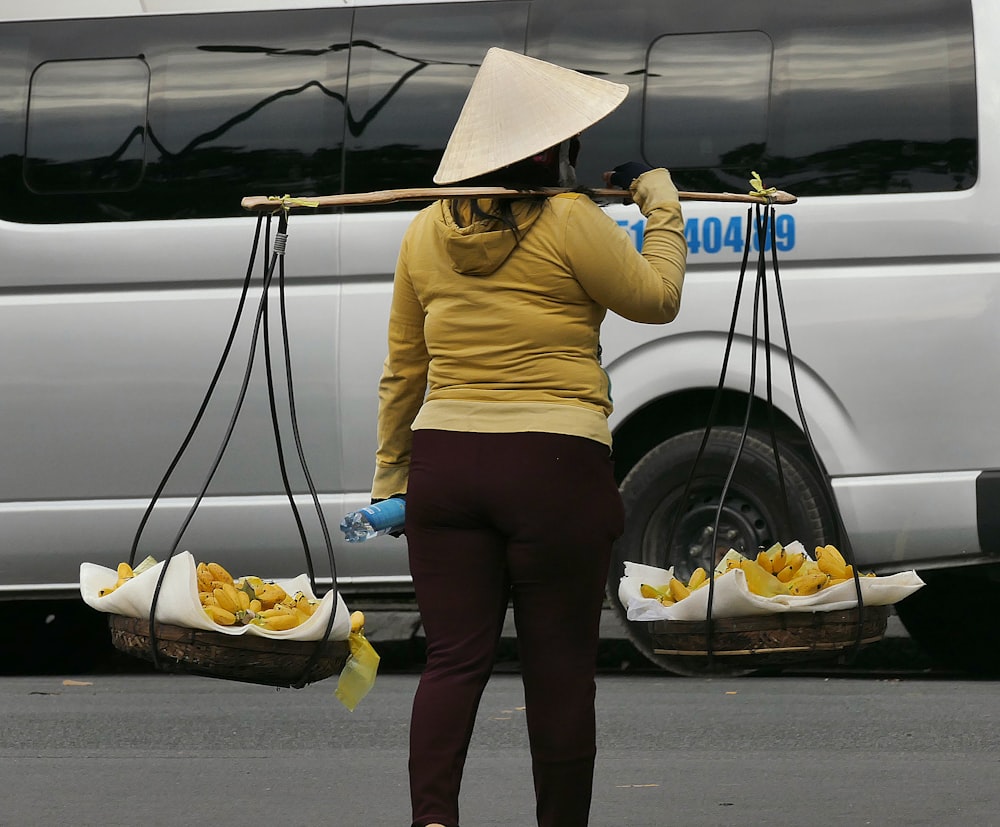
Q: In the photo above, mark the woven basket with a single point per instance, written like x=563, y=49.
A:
x=773, y=639
x=248, y=658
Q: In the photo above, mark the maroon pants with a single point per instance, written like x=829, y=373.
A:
x=527, y=518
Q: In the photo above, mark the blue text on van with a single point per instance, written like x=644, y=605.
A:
x=713, y=235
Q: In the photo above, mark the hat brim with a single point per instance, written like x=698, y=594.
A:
x=519, y=106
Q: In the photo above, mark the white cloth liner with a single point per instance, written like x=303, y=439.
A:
x=732, y=597
x=178, y=603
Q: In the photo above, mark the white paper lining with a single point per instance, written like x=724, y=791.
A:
x=178, y=602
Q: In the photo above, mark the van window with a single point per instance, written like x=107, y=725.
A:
x=86, y=126
x=852, y=101
x=238, y=104
x=718, y=87
x=411, y=69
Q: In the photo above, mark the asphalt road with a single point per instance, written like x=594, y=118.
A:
x=168, y=750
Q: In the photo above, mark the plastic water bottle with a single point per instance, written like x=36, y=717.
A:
x=373, y=520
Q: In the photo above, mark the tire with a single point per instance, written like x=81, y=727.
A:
x=953, y=618
x=754, y=516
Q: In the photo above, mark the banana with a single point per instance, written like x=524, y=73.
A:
x=778, y=557
x=219, y=573
x=357, y=621
x=278, y=622
x=764, y=561
x=831, y=561
x=204, y=577
x=760, y=581
x=220, y=615
x=269, y=594
x=808, y=583
x=304, y=604
x=793, y=564
x=125, y=574
x=227, y=598
x=678, y=591
x=699, y=577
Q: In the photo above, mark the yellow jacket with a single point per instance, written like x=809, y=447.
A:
x=492, y=333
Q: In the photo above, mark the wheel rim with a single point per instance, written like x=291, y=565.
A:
x=743, y=525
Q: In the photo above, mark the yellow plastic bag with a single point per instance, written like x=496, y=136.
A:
x=358, y=674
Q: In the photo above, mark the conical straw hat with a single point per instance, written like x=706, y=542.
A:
x=519, y=106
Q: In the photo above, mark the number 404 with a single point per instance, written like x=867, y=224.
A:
x=715, y=235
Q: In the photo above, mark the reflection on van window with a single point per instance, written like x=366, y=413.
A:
x=238, y=104
x=411, y=69
x=718, y=87
x=863, y=104
x=86, y=126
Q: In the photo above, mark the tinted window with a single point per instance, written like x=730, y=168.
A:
x=205, y=111
x=722, y=103
x=86, y=128
x=867, y=104
x=411, y=70
x=856, y=96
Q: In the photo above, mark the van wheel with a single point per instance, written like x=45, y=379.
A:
x=953, y=618
x=753, y=517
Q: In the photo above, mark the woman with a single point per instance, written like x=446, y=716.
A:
x=493, y=421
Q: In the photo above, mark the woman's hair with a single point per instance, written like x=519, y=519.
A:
x=544, y=170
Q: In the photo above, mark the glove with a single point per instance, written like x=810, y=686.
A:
x=624, y=174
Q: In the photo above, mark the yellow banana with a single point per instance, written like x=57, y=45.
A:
x=304, y=604
x=699, y=577
x=219, y=573
x=678, y=591
x=808, y=583
x=793, y=563
x=357, y=621
x=269, y=594
x=278, y=622
x=242, y=599
x=220, y=615
x=778, y=557
x=227, y=599
x=125, y=571
x=764, y=561
x=760, y=581
x=830, y=561
x=204, y=577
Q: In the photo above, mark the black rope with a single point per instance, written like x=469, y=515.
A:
x=710, y=423
x=262, y=318
x=241, y=397
x=276, y=428
x=842, y=538
x=314, y=495
x=761, y=218
x=208, y=394
x=759, y=288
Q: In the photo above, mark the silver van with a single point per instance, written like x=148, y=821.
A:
x=129, y=137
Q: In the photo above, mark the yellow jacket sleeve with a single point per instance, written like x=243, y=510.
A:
x=402, y=386
x=640, y=286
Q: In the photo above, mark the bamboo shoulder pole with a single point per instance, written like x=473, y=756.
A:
x=359, y=199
